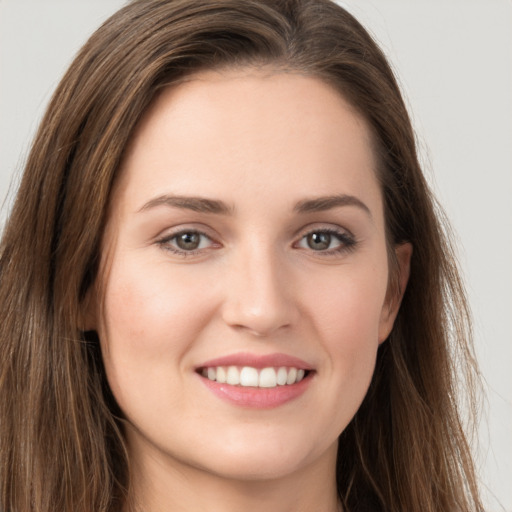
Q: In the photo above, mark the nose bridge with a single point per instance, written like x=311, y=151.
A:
x=257, y=298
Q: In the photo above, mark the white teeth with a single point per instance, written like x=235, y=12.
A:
x=252, y=377
x=248, y=376
x=233, y=376
x=282, y=376
x=268, y=378
x=221, y=375
x=292, y=376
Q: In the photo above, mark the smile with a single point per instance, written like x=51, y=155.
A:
x=257, y=381
x=248, y=376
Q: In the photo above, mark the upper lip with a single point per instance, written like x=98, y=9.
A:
x=258, y=361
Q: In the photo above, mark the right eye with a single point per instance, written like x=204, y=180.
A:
x=186, y=242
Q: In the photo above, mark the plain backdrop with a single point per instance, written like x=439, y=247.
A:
x=454, y=63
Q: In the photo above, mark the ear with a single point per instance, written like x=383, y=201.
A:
x=396, y=290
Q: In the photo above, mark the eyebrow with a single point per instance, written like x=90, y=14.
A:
x=320, y=204
x=196, y=204
x=204, y=205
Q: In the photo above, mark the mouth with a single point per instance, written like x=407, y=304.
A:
x=255, y=381
x=248, y=376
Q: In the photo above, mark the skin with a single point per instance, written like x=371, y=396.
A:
x=260, y=142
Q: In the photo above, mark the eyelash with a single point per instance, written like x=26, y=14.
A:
x=165, y=243
x=347, y=242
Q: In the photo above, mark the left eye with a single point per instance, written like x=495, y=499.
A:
x=187, y=241
x=323, y=241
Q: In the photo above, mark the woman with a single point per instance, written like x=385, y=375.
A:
x=224, y=284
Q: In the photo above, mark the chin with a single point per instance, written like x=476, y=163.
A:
x=269, y=459
x=246, y=469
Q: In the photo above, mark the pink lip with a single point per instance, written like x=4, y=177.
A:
x=258, y=361
x=254, y=397
x=257, y=398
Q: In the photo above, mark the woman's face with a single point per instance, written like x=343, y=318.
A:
x=245, y=243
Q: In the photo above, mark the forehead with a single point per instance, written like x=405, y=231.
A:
x=248, y=131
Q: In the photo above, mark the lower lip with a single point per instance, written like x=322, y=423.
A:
x=258, y=398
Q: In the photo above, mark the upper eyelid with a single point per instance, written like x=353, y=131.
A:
x=172, y=237
x=343, y=235
x=171, y=232
x=165, y=243
x=167, y=240
x=319, y=227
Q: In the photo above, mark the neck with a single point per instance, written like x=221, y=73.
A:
x=159, y=486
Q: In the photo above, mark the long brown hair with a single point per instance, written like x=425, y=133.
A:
x=61, y=443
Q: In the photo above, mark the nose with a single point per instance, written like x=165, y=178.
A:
x=259, y=296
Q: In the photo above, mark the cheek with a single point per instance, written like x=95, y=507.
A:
x=347, y=310
x=147, y=306
x=351, y=300
x=146, y=328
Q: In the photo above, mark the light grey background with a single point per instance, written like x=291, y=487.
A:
x=454, y=61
